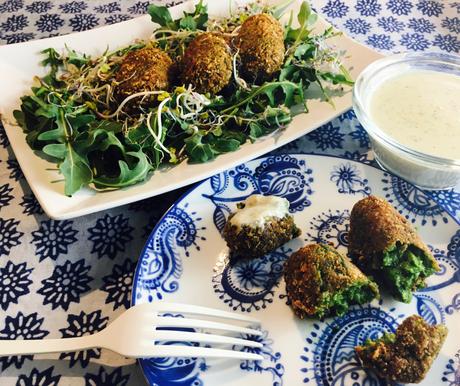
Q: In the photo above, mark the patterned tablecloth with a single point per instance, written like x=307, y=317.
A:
x=68, y=278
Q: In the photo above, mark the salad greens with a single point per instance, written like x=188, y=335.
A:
x=73, y=119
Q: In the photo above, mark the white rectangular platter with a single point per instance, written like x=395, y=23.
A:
x=19, y=63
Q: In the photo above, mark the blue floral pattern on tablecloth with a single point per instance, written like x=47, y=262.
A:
x=70, y=278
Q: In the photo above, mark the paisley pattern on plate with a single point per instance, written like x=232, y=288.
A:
x=186, y=259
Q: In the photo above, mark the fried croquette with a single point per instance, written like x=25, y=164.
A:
x=146, y=69
x=407, y=355
x=383, y=244
x=207, y=64
x=322, y=282
x=259, y=226
x=260, y=44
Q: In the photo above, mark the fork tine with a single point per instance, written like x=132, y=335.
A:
x=199, y=310
x=182, y=336
x=167, y=321
x=184, y=351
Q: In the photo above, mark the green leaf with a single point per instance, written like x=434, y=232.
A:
x=160, y=15
x=255, y=131
x=75, y=170
x=188, y=23
x=304, y=13
x=197, y=150
x=20, y=118
x=56, y=150
x=225, y=145
x=128, y=175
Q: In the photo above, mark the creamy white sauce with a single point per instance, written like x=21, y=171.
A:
x=421, y=110
x=258, y=209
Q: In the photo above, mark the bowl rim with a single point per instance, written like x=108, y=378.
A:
x=372, y=129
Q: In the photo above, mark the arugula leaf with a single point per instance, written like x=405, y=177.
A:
x=56, y=150
x=128, y=175
x=198, y=151
x=161, y=16
x=75, y=170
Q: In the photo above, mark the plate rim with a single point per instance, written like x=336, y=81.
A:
x=196, y=185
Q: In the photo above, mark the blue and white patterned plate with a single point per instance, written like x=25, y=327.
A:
x=185, y=260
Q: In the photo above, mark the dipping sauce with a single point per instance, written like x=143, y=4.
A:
x=258, y=208
x=421, y=110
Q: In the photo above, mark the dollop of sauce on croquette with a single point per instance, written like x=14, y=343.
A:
x=256, y=209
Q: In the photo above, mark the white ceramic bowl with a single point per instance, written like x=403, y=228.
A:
x=423, y=170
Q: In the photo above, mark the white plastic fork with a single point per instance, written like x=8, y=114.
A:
x=135, y=334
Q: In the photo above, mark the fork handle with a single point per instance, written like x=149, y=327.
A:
x=46, y=346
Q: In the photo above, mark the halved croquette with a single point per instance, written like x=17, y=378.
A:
x=383, y=244
x=260, y=225
x=407, y=355
x=322, y=282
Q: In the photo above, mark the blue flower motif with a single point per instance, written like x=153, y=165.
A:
x=11, y=6
x=421, y=25
x=118, y=284
x=103, y=378
x=361, y=136
x=110, y=235
x=452, y=24
x=380, y=41
x=14, y=283
x=80, y=325
x=16, y=172
x=348, y=179
x=456, y=4
x=139, y=8
x=39, y=6
x=390, y=24
x=415, y=41
x=3, y=137
x=21, y=326
x=430, y=7
x=251, y=274
x=15, y=23
x=30, y=205
x=357, y=156
x=327, y=137
x=37, y=378
x=18, y=38
x=358, y=26
x=5, y=196
x=447, y=199
x=399, y=7
x=368, y=7
x=83, y=22
x=66, y=284
x=108, y=8
x=53, y=238
x=448, y=43
x=49, y=22
x=73, y=7
x=335, y=9
x=348, y=115
x=117, y=18
x=9, y=235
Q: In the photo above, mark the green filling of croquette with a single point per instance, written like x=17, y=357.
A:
x=404, y=270
x=387, y=338
x=337, y=303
